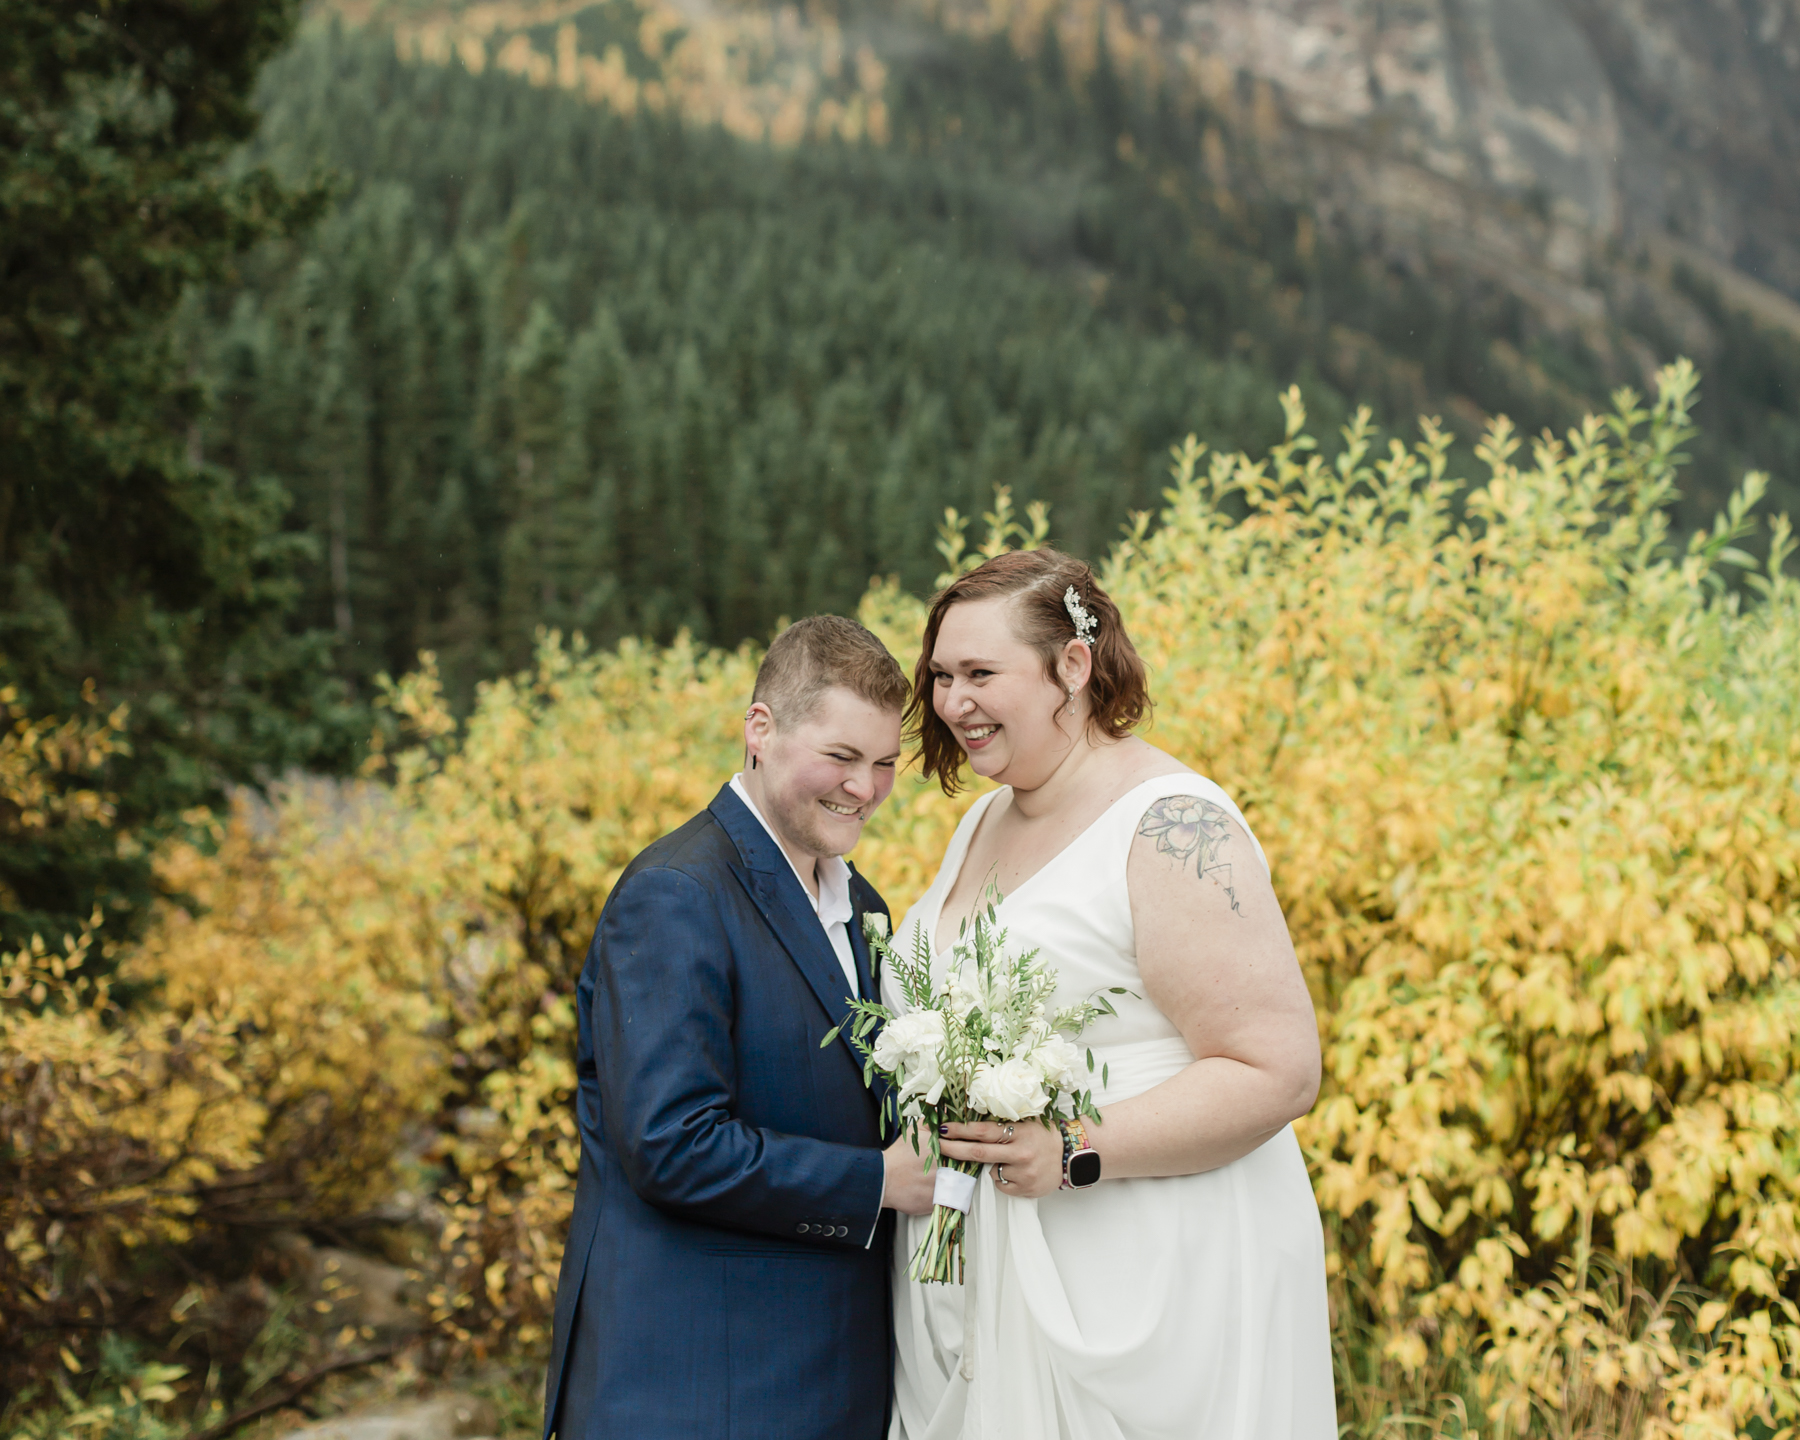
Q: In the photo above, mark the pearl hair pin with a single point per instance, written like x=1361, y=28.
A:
x=1085, y=623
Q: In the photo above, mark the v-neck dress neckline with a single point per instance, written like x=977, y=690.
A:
x=964, y=841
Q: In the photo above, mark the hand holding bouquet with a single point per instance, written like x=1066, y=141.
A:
x=978, y=1043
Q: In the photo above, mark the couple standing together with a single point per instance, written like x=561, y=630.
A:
x=736, y=1264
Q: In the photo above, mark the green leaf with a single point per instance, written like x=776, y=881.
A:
x=830, y=1035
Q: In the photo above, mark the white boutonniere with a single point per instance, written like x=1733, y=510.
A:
x=875, y=930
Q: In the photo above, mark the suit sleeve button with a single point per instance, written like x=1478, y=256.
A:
x=843, y=1230
x=800, y=1230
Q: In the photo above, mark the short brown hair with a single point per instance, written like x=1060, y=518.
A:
x=812, y=655
x=1118, y=693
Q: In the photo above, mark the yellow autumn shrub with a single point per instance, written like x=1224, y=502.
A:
x=305, y=936
x=1529, y=785
x=43, y=761
x=282, y=1046
x=1529, y=780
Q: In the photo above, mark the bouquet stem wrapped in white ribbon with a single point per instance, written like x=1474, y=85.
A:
x=976, y=1043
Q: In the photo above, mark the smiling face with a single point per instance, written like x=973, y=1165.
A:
x=991, y=689
x=818, y=781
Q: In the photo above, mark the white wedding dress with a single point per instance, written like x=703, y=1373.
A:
x=1186, y=1308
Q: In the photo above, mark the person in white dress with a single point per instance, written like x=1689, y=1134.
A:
x=1182, y=1296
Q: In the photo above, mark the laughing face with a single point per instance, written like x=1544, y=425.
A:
x=818, y=781
x=991, y=689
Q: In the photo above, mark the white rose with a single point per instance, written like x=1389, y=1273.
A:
x=875, y=925
x=1058, y=1062
x=1010, y=1091
x=906, y=1038
x=923, y=1079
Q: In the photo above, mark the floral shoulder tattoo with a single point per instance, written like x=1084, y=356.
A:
x=1186, y=826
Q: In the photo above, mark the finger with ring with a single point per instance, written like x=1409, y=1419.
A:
x=1000, y=1174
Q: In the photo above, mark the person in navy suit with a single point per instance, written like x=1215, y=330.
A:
x=726, y=1275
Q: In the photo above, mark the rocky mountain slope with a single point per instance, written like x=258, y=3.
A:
x=1621, y=175
x=1576, y=149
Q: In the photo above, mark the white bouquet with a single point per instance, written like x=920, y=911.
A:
x=976, y=1044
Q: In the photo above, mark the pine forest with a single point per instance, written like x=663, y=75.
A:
x=549, y=365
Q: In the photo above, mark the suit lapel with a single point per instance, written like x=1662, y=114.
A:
x=871, y=987
x=859, y=946
x=775, y=889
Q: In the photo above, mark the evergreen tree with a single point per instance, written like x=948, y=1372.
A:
x=126, y=559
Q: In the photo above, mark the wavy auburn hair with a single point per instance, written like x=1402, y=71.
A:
x=1118, y=692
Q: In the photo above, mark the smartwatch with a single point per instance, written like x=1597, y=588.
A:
x=1081, y=1163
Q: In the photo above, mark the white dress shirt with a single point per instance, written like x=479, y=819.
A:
x=832, y=903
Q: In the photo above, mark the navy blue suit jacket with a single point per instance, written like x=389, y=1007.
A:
x=716, y=1283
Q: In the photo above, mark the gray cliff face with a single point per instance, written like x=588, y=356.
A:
x=1541, y=142
x=1708, y=92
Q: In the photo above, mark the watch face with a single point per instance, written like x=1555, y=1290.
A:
x=1084, y=1168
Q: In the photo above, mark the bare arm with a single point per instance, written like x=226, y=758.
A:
x=1215, y=957
x=1214, y=953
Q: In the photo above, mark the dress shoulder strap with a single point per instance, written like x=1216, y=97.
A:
x=1181, y=782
